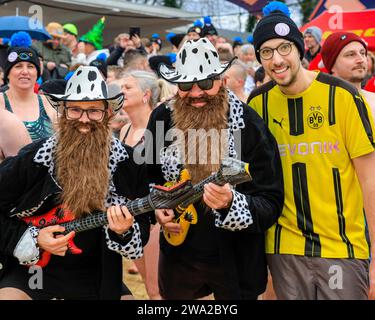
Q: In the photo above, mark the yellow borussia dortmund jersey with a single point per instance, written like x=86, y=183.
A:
x=318, y=132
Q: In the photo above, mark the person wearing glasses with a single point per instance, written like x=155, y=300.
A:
x=83, y=169
x=21, y=72
x=317, y=249
x=223, y=252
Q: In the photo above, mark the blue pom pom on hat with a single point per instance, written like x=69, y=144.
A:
x=276, y=6
x=198, y=23
x=20, y=39
x=207, y=20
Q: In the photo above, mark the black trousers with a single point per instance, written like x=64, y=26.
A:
x=184, y=279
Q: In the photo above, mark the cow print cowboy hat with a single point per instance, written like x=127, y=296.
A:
x=197, y=60
x=88, y=84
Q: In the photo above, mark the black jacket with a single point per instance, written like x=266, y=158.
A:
x=3, y=55
x=27, y=188
x=242, y=253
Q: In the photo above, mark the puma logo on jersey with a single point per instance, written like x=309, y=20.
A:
x=280, y=123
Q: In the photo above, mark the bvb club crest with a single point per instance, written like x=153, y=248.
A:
x=315, y=118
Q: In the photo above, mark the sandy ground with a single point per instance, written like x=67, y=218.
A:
x=134, y=282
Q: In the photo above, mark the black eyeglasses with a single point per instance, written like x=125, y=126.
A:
x=283, y=49
x=75, y=113
x=205, y=84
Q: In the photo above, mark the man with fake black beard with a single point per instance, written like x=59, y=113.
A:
x=223, y=252
x=325, y=134
x=80, y=170
x=344, y=55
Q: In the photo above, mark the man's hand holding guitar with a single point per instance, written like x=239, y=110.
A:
x=119, y=220
x=165, y=218
x=217, y=197
x=57, y=245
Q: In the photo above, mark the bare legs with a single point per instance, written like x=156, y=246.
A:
x=13, y=294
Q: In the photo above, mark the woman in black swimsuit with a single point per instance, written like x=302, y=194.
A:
x=143, y=91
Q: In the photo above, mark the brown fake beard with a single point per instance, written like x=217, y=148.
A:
x=204, y=152
x=82, y=165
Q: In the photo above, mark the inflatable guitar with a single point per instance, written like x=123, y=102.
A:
x=159, y=197
x=231, y=171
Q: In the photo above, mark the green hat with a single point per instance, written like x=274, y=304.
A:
x=71, y=28
x=95, y=35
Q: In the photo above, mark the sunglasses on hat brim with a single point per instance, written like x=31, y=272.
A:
x=25, y=56
x=205, y=84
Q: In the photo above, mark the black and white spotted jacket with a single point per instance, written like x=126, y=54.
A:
x=256, y=205
x=28, y=187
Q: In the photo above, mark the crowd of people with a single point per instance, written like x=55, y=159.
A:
x=76, y=118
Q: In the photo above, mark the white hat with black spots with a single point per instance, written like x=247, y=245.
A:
x=197, y=60
x=88, y=84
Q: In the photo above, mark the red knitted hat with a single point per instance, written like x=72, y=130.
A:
x=334, y=44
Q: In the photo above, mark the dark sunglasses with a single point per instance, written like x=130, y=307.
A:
x=205, y=84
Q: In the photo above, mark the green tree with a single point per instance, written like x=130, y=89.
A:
x=172, y=3
x=251, y=20
x=307, y=7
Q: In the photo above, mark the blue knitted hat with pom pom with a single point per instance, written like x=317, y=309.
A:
x=101, y=63
x=209, y=28
x=20, y=50
x=237, y=41
x=197, y=27
x=156, y=38
x=276, y=24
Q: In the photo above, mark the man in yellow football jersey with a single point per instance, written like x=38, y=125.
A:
x=324, y=129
